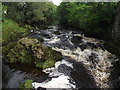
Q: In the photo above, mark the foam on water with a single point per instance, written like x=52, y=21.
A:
x=96, y=60
x=59, y=80
x=101, y=69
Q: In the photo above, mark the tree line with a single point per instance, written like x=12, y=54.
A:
x=93, y=18
x=30, y=13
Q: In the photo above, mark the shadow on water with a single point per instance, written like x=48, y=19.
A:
x=14, y=74
x=81, y=75
x=115, y=75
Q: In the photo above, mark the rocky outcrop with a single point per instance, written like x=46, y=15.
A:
x=31, y=52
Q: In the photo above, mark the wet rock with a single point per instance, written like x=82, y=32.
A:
x=57, y=32
x=83, y=46
x=40, y=88
x=101, y=46
x=93, y=58
x=45, y=35
x=92, y=45
x=76, y=39
x=77, y=32
x=88, y=45
x=64, y=69
x=63, y=37
x=31, y=52
x=37, y=36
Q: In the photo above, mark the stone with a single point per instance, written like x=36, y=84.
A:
x=31, y=52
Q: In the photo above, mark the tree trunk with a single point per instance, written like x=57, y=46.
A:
x=116, y=26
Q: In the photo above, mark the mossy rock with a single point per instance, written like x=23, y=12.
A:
x=46, y=64
x=26, y=85
x=31, y=52
x=5, y=49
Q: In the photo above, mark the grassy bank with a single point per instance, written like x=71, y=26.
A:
x=11, y=32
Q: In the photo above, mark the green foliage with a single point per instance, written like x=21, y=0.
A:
x=20, y=55
x=21, y=52
x=92, y=17
x=39, y=64
x=6, y=49
x=46, y=64
x=14, y=11
x=11, y=31
x=32, y=13
x=26, y=85
x=3, y=11
x=31, y=52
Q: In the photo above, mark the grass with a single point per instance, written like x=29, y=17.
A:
x=11, y=31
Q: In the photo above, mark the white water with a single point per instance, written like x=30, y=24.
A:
x=59, y=80
x=99, y=68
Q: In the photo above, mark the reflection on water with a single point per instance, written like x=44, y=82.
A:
x=13, y=77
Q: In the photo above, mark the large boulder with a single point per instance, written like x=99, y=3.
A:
x=30, y=51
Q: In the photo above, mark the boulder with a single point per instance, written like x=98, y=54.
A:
x=31, y=52
x=76, y=39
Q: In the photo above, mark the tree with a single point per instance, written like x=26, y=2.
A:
x=94, y=18
x=33, y=13
x=116, y=26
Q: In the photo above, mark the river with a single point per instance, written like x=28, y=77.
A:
x=85, y=64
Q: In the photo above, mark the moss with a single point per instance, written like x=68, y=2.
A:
x=31, y=52
x=48, y=63
x=51, y=54
x=6, y=49
x=26, y=85
x=24, y=34
x=19, y=54
x=39, y=64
